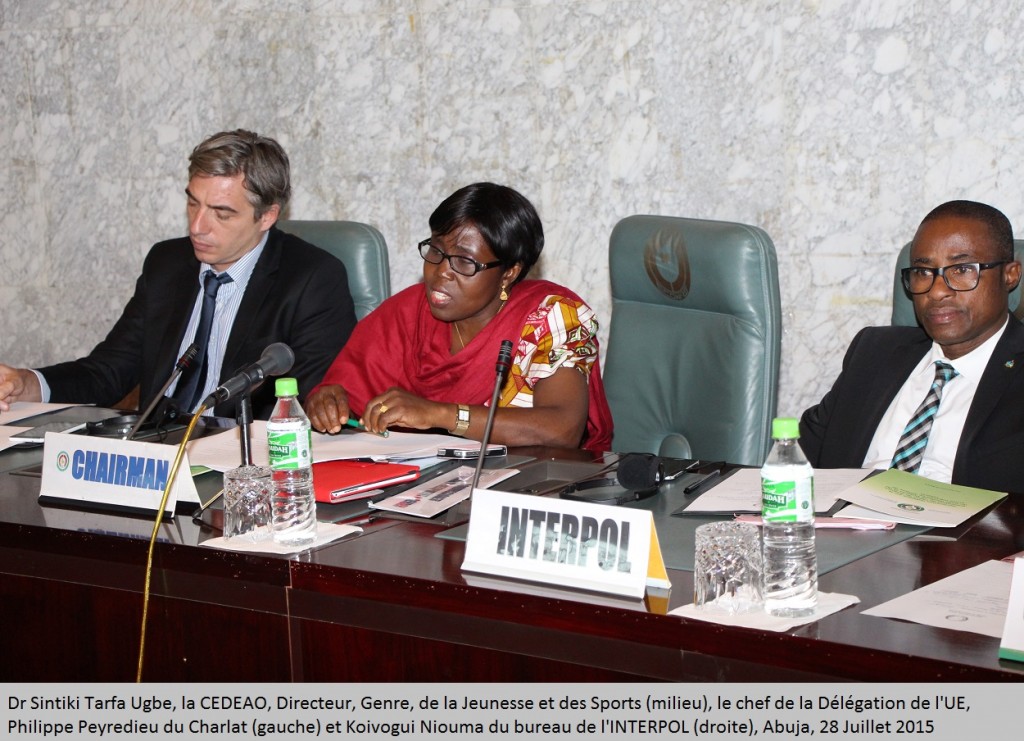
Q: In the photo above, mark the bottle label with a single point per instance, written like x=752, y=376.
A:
x=290, y=449
x=787, y=501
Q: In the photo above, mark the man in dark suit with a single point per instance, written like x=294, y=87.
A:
x=962, y=268
x=235, y=279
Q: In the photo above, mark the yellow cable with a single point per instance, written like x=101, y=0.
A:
x=156, y=529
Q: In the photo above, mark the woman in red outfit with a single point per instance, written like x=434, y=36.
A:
x=425, y=359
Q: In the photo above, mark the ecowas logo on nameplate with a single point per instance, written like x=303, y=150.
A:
x=596, y=547
x=112, y=473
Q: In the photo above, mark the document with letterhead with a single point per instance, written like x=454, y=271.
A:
x=898, y=496
x=740, y=492
x=974, y=600
x=221, y=452
x=442, y=493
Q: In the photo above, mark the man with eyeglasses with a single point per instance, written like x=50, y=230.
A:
x=946, y=399
x=425, y=358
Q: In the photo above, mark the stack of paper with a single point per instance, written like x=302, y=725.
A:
x=444, y=492
x=898, y=496
x=221, y=452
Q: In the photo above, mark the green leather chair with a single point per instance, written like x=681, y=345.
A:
x=360, y=247
x=692, y=364
x=903, y=306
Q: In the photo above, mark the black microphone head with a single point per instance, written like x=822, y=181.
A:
x=188, y=356
x=639, y=471
x=276, y=359
x=504, y=356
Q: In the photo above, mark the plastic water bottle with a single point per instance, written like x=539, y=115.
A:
x=787, y=499
x=289, y=438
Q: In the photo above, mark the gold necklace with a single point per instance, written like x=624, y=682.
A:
x=458, y=332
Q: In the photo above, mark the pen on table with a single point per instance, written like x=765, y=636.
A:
x=690, y=488
x=359, y=518
x=359, y=426
x=356, y=523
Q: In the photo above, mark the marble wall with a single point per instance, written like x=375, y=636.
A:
x=833, y=124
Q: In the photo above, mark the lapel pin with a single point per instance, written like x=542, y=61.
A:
x=1009, y=363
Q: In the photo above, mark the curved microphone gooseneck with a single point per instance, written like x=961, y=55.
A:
x=502, y=366
x=183, y=362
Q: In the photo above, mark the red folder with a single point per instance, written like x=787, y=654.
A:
x=340, y=481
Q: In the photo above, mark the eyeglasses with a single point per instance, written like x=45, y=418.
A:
x=460, y=263
x=963, y=276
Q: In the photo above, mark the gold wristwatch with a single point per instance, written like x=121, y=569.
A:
x=461, y=421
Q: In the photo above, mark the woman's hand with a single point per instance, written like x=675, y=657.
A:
x=397, y=407
x=328, y=409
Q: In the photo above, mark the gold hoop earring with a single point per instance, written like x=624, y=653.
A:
x=504, y=294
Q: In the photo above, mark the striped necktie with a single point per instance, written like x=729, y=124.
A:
x=914, y=439
x=193, y=380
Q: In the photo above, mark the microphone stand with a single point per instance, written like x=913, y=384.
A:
x=244, y=419
x=183, y=362
x=504, y=360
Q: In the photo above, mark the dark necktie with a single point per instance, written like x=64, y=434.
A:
x=914, y=439
x=193, y=380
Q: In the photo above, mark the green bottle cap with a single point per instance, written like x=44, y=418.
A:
x=785, y=428
x=286, y=387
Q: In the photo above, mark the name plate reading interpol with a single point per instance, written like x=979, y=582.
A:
x=588, y=546
x=112, y=474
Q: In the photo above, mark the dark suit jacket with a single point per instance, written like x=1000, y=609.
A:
x=298, y=294
x=837, y=432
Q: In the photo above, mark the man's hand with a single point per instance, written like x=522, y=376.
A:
x=17, y=384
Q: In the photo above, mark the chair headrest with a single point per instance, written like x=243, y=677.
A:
x=716, y=266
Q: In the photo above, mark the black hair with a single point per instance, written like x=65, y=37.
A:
x=995, y=221
x=504, y=217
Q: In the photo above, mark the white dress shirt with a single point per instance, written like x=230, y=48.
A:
x=229, y=298
x=948, y=425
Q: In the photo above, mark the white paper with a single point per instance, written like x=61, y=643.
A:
x=326, y=532
x=899, y=496
x=443, y=492
x=828, y=603
x=23, y=409
x=741, y=491
x=5, y=436
x=974, y=600
x=221, y=452
x=1012, y=644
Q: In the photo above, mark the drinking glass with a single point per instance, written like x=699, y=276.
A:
x=727, y=568
x=247, y=511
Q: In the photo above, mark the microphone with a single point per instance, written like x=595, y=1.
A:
x=504, y=359
x=640, y=471
x=501, y=368
x=276, y=360
x=183, y=362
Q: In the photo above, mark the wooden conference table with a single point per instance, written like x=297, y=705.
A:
x=392, y=604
